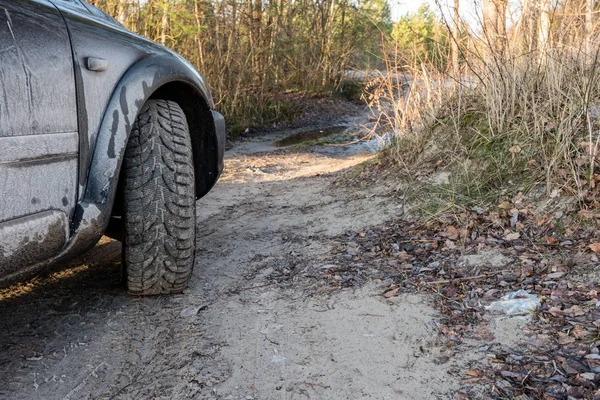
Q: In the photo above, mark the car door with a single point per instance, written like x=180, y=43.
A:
x=38, y=133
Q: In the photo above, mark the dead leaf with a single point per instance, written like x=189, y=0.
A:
x=563, y=338
x=519, y=226
x=450, y=245
x=595, y=247
x=575, y=311
x=515, y=149
x=579, y=332
x=391, y=292
x=505, y=205
x=556, y=311
x=564, y=364
x=552, y=241
x=512, y=375
x=555, y=275
x=452, y=233
x=512, y=236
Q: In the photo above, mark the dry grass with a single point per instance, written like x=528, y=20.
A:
x=509, y=120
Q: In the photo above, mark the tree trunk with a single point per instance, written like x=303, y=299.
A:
x=501, y=6
x=589, y=29
x=455, y=38
x=530, y=19
x=494, y=25
x=543, y=37
x=123, y=11
x=164, y=23
x=198, y=17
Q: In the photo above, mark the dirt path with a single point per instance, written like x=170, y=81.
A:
x=247, y=328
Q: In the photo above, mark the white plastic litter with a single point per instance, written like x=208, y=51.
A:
x=376, y=142
x=515, y=303
x=276, y=359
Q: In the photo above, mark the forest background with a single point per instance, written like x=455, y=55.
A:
x=254, y=53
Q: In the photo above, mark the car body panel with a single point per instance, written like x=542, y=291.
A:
x=42, y=172
x=35, y=55
x=38, y=133
x=32, y=239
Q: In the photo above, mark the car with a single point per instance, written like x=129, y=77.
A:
x=102, y=132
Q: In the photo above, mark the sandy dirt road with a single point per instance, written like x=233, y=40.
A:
x=255, y=323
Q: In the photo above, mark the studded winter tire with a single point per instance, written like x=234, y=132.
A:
x=159, y=201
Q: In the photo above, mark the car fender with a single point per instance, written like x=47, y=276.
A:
x=137, y=86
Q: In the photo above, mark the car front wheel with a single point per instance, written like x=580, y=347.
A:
x=159, y=201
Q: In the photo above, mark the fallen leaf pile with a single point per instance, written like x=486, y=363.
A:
x=538, y=254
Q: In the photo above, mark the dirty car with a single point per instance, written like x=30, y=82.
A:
x=101, y=132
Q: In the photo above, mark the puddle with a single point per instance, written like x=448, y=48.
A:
x=307, y=136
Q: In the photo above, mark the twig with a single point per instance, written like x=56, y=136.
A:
x=556, y=368
x=467, y=278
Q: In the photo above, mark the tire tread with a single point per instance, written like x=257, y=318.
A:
x=159, y=201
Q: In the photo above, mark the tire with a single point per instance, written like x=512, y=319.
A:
x=159, y=202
